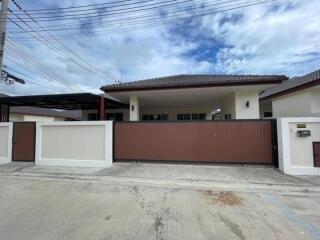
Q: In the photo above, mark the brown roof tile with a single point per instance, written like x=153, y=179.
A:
x=292, y=84
x=186, y=81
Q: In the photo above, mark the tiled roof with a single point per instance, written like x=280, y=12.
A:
x=181, y=81
x=292, y=84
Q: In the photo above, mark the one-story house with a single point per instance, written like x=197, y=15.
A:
x=188, y=97
x=297, y=97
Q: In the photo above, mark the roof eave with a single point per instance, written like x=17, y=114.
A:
x=149, y=88
x=291, y=90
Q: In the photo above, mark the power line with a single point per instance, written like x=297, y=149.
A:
x=109, y=13
x=14, y=48
x=138, y=3
x=28, y=80
x=150, y=23
x=14, y=58
x=85, y=6
x=128, y=20
x=63, y=50
x=33, y=67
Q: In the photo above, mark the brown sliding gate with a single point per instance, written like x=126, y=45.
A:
x=239, y=141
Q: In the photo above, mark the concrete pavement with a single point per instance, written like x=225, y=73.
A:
x=219, y=177
x=61, y=203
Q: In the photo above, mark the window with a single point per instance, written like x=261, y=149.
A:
x=155, y=117
x=187, y=116
x=227, y=116
x=267, y=114
x=193, y=116
x=179, y=117
x=93, y=116
x=114, y=116
x=202, y=116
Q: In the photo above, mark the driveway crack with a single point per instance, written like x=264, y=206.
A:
x=158, y=225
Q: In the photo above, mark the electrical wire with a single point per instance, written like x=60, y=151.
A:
x=159, y=23
x=99, y=15
x=151, y=17
x=62, y=49
x=86, y=6
x=28, y=80
x=139, y=7
x=14, y=48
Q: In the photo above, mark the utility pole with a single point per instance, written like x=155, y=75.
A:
x=3, y=28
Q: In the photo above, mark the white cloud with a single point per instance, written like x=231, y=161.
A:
x=253, y=40
x=285, y=40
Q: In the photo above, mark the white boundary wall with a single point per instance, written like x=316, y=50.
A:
x=76, y=144
x=6, y=142
x=296, y=153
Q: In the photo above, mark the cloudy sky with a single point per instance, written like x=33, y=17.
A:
x=281, y=37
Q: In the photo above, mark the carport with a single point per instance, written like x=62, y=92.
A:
x=78, y=101
x=24, y=133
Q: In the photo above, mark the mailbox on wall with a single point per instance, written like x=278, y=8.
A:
x=303, y=133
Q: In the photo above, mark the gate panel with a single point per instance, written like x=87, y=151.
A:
x=316, y=154
x=217, y=142
x=23, y=141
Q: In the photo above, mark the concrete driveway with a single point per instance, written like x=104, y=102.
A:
x=137, y=202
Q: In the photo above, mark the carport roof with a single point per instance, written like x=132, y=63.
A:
x=62, y=101
x=194, y=81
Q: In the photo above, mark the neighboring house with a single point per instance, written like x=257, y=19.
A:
x=297, y=97
x=188, y=97
x=34, y=114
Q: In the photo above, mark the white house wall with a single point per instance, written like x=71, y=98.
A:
x=227, y=105
x=16, y=117
x=304, y=103
x=35, y=118
x=5, y=142
x=13, y=117
x=315, y=100
x=243, y=111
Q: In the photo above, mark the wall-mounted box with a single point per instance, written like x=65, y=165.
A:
x=303, y=133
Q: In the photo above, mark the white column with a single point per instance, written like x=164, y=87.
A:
x=134, y=108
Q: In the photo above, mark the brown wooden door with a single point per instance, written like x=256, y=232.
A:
x=23, y=141
x=208, y=141
x=316, y=154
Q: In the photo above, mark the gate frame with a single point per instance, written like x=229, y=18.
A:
x=274, y=140
x=34, y=145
